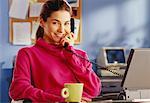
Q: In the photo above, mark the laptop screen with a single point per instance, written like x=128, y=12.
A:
x=138, y=70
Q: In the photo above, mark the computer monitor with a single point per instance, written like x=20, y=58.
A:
x=112, y=57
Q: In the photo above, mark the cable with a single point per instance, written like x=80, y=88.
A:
x=80, y=56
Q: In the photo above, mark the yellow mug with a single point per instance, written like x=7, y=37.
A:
x=72, y=92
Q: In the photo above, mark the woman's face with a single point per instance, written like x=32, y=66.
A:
x=56, y=26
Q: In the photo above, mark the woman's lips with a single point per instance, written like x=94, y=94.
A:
x=59, y=35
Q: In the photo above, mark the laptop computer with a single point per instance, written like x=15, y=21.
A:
x=137, y=73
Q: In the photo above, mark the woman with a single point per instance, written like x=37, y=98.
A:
x=41, y=70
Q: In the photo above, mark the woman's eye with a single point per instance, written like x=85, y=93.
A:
x=54, y=23
x=68, y=23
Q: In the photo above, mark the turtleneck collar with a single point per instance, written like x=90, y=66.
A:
x=40, y=42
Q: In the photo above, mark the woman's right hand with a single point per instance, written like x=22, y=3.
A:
x=67, y=40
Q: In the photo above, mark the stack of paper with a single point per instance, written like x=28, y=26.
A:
x=22, y=33
x=35, y=9
x=19, y=9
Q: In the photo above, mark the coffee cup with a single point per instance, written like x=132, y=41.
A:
x=72, y=92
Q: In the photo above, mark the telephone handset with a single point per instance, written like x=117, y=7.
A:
x=116, y=73
x=72, y=25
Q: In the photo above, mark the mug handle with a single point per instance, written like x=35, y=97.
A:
x=65, y=92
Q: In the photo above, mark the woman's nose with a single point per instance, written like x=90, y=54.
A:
x=61, y=29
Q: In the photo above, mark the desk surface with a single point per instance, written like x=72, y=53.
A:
x=123, y=101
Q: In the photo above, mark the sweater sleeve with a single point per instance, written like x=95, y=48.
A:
x=83, y=72
x=21, y=86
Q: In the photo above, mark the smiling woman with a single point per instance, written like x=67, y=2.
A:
x=41, y=70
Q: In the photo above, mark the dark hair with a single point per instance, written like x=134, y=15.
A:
x=48, y=8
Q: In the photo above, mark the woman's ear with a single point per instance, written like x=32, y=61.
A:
x=42, y=23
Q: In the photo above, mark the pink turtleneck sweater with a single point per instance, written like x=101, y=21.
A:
x=41, y=71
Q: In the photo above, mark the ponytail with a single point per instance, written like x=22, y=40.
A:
x=39, y=33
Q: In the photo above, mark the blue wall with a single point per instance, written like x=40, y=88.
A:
x=106, y=22
x=8, y=50
x=0, y=31
x=115, y=23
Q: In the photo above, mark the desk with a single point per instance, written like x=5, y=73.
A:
x=124, y=101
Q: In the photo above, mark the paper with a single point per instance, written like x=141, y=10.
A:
x=22, y=33
x=35, y=26
x=35, y=9
x=19, y=9
x=76, y=27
